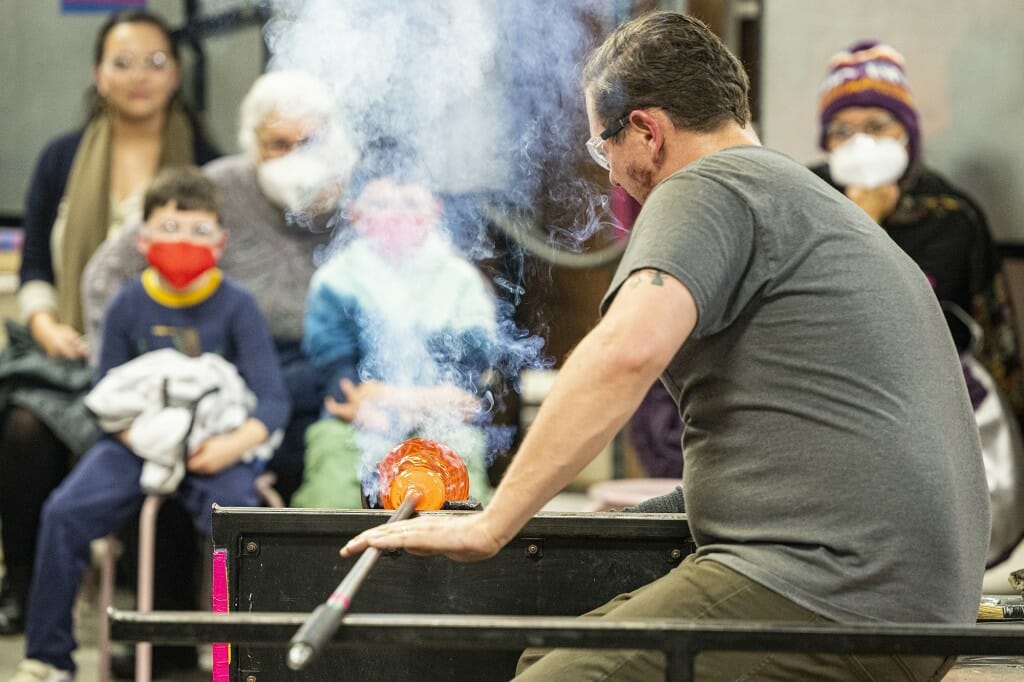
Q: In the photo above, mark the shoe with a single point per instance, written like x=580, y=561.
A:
x=166, y=661
x=31, y=670
x=12, y=614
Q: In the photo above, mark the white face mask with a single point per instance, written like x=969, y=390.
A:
x=293, y=181
x=869, y=162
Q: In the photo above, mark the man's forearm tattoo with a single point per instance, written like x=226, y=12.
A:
x=637, y=278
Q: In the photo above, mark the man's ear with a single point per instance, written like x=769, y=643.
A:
x=651, y=126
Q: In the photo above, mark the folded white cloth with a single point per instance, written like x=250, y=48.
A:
x=171, y=404
x=158, y=436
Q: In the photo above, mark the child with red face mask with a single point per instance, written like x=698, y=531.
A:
x=181, y=311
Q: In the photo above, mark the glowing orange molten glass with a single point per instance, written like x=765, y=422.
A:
x=431, y=470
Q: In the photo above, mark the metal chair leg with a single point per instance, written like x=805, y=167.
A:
x=144, y=596
x=106, y=599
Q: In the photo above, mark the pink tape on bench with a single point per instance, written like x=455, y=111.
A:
x=221, y=651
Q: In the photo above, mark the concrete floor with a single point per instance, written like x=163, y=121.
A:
x=12, y=649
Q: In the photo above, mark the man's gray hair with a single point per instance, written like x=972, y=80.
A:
x=672, y=62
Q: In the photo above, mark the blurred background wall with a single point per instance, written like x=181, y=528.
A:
x=963, y=60
x=962, y=57
x=46, y=65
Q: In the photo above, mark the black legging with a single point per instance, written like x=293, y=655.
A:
x=33, y=461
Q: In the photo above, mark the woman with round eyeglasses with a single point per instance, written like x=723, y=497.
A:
x=870, y=132
x=85, y=186
x=872, y=139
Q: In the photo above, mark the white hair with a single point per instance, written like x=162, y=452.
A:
x=289, y=94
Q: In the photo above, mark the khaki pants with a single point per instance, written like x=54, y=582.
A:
x=709, y=590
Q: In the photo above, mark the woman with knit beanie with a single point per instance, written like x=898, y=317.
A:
x=871, y=134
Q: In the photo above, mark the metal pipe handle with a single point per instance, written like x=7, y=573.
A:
x=319, y=628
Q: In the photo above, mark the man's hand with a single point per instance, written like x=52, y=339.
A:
x=451, y=399
x=56, y=339
x=879, y=203
x=461, y=538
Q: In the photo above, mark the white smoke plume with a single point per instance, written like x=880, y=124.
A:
x=488, y=93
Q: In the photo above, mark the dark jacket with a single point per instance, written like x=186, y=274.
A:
x=45, y=192
x=53, y=390
x=945, y=232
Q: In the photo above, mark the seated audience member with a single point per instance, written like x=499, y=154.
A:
x=403, y=326
x=279, y=197
x=870, y=130
x=86, y=185
x=656, y=434
x=166, y=339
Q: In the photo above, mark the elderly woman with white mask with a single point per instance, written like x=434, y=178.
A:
x=279, y=201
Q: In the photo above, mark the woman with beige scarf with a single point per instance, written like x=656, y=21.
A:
x=86, y=185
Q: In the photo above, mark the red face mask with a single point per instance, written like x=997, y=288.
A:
x=180, y=263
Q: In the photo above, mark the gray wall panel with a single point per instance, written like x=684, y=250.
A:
x=46, y=66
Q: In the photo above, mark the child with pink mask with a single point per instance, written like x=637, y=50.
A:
x=181, y=310
x=403, y=327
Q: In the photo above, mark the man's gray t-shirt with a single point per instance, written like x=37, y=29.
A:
x=831, y=451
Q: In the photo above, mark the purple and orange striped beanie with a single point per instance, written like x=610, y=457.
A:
x=869, y=74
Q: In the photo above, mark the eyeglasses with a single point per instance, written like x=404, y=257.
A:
x=280, y=145
x=156, y=62
x=199, y=231
x=881, y=125
x=595, y=145
x=386, y=197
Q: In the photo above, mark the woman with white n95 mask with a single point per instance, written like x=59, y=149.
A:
x=869, y=126
x=870, y=133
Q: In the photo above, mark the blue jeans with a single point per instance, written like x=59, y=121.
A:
x=99, y=495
